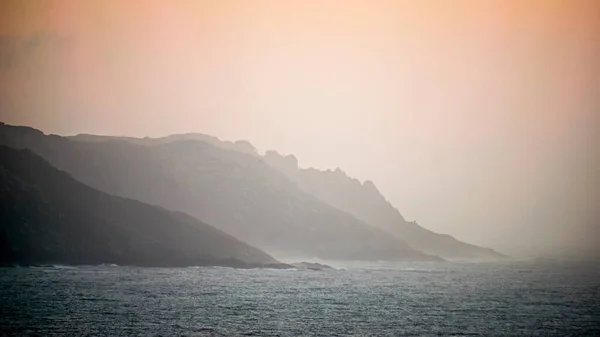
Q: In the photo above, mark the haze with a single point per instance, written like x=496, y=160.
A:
x=477, y=119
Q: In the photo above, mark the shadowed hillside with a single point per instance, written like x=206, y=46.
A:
x=48, y=217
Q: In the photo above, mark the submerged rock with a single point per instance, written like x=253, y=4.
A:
x=312, y=266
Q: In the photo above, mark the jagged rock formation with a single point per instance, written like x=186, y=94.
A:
x=48, y=217
x=365, y=202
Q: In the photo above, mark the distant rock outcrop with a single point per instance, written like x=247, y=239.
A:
x=245, y=147
x=312, y=266
x=365, y=202
x=283, y=163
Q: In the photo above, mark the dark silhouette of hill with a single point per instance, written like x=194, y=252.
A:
x=365, y=202
x=233, y=191
x=47, y=217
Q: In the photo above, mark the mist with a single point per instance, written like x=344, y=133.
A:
x=478, y=120
x=299, y=167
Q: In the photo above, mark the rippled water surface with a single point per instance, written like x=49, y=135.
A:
x=516, y=299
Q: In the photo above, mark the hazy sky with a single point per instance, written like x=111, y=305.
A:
x=475, y=118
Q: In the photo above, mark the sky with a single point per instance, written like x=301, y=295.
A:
x=474, y=118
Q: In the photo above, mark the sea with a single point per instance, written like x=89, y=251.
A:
x=381, y=299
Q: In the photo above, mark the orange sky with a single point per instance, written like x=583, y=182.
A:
x=468, y=115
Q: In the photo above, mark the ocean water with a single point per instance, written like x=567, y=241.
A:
x=410, y=299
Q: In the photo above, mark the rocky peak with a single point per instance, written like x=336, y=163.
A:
x=285, y=163
x=245, y=147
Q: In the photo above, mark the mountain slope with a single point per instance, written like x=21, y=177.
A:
x=48, y=217
x=365, y=202
x=233, y=191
